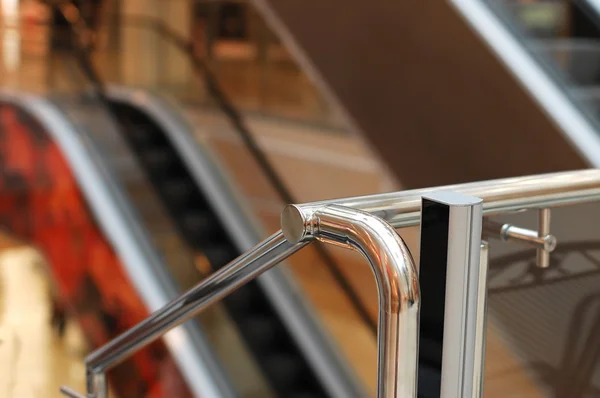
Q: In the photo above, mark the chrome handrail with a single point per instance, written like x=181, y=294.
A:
x=365, y=224
x=402, y=209
x=396, y=277
x=243, y=269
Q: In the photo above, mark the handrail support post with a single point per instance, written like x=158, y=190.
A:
x=452, y=290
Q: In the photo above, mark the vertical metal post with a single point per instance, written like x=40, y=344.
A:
x=449, y=277
x=543, y=256
x=97, y=386
x=480, y=333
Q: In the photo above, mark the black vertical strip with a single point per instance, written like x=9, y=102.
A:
x=432, y=278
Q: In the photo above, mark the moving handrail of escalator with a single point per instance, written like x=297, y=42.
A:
x=282, y=362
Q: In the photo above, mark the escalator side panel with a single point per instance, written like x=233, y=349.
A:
x=42, y=203
x=425, y=90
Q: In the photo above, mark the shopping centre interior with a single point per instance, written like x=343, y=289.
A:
x=145, y=144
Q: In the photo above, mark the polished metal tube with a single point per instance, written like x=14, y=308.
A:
x=70, y=393
x=524, y=236
x=398, y=287
x=481, y=331
x=543, y=256
x=96, y=383
x=218, y=285
x=402, y=209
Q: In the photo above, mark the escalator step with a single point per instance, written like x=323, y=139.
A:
x=142, y=135
x=178, y=192
x=199, y=226
x=263, y=330
x=243, y=300
x=286, y=371
x=219, y=254
x=159, y=160
x=305, y=394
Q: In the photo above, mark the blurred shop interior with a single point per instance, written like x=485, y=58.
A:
x=146, y=143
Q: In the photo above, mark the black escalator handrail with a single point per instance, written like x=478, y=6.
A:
x=80, y=31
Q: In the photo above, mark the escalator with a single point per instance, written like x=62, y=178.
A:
x=198, y=223
x=66, y=196
x=192, y=223
x=275, y=292
x=265, y=336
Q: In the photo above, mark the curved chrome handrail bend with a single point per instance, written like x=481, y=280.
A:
x=398, y=287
